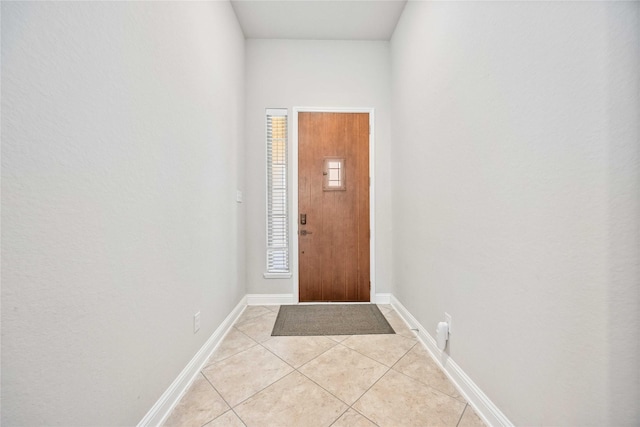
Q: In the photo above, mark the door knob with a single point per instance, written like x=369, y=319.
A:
x=305, y=232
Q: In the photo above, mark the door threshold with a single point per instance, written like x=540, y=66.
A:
x=334, y=302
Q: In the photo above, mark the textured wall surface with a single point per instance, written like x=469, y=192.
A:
x=507, y=194
x=121, y=130
x=516, y=199
x=302, y=73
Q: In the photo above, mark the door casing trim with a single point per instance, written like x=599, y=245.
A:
x=293, y=179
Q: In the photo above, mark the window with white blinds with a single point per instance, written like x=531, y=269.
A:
x=277, y=206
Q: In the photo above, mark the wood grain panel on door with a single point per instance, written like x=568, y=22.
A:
x=334, y=242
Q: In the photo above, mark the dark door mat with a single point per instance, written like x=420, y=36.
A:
x=330, y=319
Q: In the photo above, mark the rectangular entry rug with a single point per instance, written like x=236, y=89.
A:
x=330, y=319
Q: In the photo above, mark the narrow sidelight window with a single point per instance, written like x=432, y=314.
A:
x=277, y=185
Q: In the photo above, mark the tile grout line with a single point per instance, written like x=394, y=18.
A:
x=296, y=369
x=232, y=408
x=252, y=318
x=429, y=386
x=255, y=342
x=383, y=364
x=236, y=353
x=269, y=385
x=389, y=368
x=310, y=379
x=225, y=401
x=335, y=343
x=235, y=325
x=262, y=389
x=422, y=382
x=365, y=392
x=261, y=345
x=364, y=416
x=225, y=412
x=383, y=375
x=462, y=414
x=340, y=416
x=349, y=406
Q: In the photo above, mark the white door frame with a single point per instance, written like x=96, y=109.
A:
x=293, y=178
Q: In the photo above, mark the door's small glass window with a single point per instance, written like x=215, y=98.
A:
x=334, y=174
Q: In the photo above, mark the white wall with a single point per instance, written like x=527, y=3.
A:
x=302, y=73
x=121, y=131
x=516, y=199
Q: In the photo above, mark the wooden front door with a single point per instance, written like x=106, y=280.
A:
x=333, y=206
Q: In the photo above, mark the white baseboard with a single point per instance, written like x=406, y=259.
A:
x=483, y=406
x=382, y=299
x=170, y=398
x=480, y=402
x=270, y=299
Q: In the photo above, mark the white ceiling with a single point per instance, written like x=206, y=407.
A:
x=318, y=20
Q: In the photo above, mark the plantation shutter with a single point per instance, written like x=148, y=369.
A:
x=277, y=206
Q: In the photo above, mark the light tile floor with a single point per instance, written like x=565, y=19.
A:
x=254, y=379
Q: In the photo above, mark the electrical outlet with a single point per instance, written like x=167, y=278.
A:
x=447, y=318
x=196, y=322
x=239, y=196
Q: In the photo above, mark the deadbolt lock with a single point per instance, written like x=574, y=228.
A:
x=303, y=219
